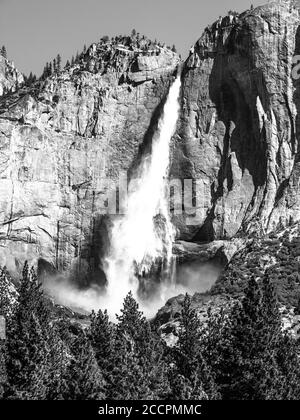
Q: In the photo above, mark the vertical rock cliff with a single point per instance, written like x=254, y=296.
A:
x=238, y=133
x=10, y=77
x=61, y=138
x=239, y=129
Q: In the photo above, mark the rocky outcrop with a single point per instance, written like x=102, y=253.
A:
x=186, y=252
x=10, y=77
x=239, y=128
x=276, y=255
x=62, y=140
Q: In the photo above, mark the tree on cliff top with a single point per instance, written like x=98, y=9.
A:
x=58, y=63
x=3, y=51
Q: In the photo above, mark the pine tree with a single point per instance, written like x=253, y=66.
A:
x=271, y=331
x=84, y=379
x=138, y=368
x=174, y=48
x=187, y=355
x=131, y=322
x=68, y=65
x=5, y=294
x=58, y=63
x=3, y=51
x=3, y=376
x=58, y=360
x=183, y=389
x=255, y=374
x=45, y=72
x=127, y=379
x=27, y=342
x=289, y=365
x=102, y=339
x=30, y=79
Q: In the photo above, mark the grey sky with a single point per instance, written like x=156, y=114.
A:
x=34, y=31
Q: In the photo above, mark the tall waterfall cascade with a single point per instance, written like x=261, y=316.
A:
x=142, y=239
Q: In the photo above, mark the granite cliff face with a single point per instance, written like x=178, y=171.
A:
x=61, y=138
x=238, y=132
x=10, y=77
x=239, y=128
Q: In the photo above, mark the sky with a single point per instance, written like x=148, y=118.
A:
x=35, y=31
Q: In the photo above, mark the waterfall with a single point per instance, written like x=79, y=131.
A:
x=143, y=237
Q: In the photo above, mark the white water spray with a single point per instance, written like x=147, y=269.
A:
x=144, y=236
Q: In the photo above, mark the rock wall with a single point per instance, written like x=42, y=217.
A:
x=10, y=77
x=59, y=140
x=238, y=133
x=239, y=129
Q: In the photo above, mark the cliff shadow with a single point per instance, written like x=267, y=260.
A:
x=145, y=146
x=296, y=98
x=235, y=103
x=86, y=269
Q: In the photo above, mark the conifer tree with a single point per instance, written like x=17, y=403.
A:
x=184, y=389
x=255, y=374
x=58, y=63
x=5, y=301
x=102, y=339
x=27, y=342
x=189, y=361
x=84, y=379
x=127, y=379
x=131, y=322
x=58, y=360
x=128, y=346
x=3, y=376
x=3, y=51
x=289, y=365
x=30, y=79
x=138, y=368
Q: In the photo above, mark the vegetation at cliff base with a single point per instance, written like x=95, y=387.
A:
x=241, y=352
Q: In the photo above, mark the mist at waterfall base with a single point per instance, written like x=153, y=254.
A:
x=139, y=258
x=192, y=277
